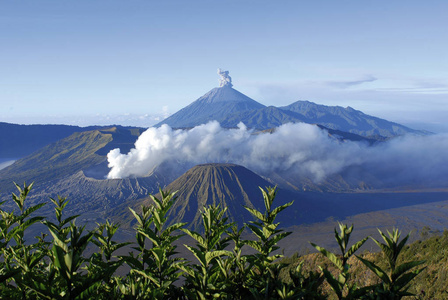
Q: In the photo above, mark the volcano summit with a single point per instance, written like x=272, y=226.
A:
x=217, y=105
x=230, y=107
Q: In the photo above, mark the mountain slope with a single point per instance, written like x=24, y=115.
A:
x=17, y=141
x=272, y=117
x=260, y=119
x=95, y=197
x=230, y=107
x=227, y=185
x=346, y=119
x=79, y=151
x=214, y=105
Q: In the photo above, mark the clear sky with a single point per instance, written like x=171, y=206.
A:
x=129, y=62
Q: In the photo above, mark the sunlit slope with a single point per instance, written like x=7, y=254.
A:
x=59, y=159
x=79, y=151
x=217, y=104
x=230, y=107
x=17, y=141
x=346, y=119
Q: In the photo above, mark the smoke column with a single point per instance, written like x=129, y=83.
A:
x=225, y=79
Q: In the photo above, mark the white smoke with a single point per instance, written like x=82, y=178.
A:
x=225, y=79
x=300, y=149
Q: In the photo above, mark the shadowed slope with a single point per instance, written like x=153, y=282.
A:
x=227, y=185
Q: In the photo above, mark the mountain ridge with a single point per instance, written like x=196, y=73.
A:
x=346, y=119
x=230, y=107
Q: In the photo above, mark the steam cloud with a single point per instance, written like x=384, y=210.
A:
x=225, y=79
x=300, y=149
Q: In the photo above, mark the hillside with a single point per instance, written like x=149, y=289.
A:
x=94, y=198
x=17, y=141
x=260, y=119
x=429, y=284
x=57, y=160
x=79, y=151
x=338, y=118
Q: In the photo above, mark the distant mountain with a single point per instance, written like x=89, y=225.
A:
x=17, y=141
x=230, y=107
x=217, y=104
x=346, y=119
x=79, y=151
x=328, y=117
x=75, y=167
x=272, y=117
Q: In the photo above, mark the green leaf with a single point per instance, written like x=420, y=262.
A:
x=195, y=236
x=211, y=255
x=277, y=210
x=403, y=268
x=199, y=255
x=405, y=279
x=59, y=261
x=33, y=209
x=331, y=256
x=256, y=213
x=333, y=282
x=377, y=270
x=355, y=247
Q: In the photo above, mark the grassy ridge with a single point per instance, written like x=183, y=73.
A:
x=68, y=156
x=61, y=158
x=429, y=284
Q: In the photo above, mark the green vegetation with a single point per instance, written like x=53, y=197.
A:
x=226, y=266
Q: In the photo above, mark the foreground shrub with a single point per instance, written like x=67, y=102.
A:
x=57, y=266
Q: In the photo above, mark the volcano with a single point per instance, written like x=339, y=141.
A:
x=230, y=107
x=217, y=104
x=228, y=185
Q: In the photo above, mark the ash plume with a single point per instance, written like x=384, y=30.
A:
x=225, y=79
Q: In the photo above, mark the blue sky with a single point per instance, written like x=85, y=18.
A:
x=131, y=62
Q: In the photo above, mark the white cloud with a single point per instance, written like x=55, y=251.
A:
x=302, y=149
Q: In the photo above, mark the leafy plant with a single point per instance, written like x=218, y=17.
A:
x=155, y=269
x=395, y=283
x=205, y=279
x=340, y=283
x=57, y=266
x=264, y=274
x=19, y=260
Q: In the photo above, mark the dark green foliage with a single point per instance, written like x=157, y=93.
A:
x=59, y=266
x=341, y=284
x=155, y=269
x=395, y=282
x=205, y=279
x=265, y=275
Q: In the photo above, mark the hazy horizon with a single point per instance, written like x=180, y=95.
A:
x=113, y=62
